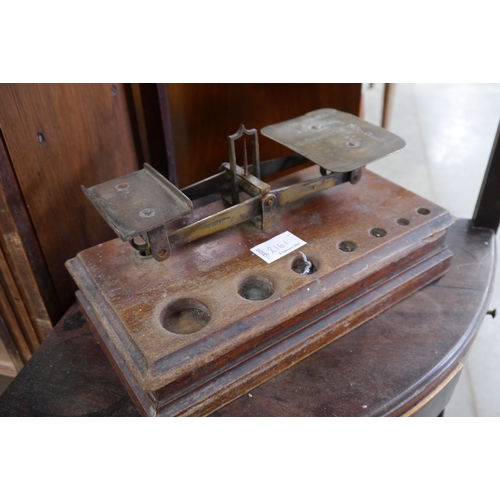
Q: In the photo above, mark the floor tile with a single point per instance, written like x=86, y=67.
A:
x=462, y=403
x=409, y=167
x=484, y=363
x=449, y=130
x=458, y=125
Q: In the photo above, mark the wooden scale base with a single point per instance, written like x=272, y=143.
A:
x=186, y=336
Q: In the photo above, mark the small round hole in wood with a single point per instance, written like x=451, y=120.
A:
x=423, y=211
x=303, y=264
x=256, y=288
x=403, y=222
x=378, y=232
x=185, y=316
x=347, y=246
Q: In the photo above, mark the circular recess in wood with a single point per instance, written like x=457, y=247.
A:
x=348, y=246
x=378, y=232
x=256, y=288
x=423, y=211
x=403, y=222
x=185, y=316
x=303, y=264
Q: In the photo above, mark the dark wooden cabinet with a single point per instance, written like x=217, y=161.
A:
x=54, y=138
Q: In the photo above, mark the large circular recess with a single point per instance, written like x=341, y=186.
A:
x=256, y=288
x=185, y=316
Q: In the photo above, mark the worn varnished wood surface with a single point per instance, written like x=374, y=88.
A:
x=384, y=367
x=14, y=313
x=10, y=362
x=249, y=341
x=28, y=298
x=58, y=137
x=67, y=376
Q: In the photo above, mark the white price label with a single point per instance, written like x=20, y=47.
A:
x=278, y=247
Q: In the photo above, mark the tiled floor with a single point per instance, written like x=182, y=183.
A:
x=449, y=130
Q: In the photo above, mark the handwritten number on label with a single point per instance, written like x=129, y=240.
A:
x=278, y=246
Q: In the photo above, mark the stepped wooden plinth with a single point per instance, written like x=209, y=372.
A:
x=140, y=309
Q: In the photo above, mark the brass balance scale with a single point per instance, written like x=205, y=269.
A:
x=212, y=297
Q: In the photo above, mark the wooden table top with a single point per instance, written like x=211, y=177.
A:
x=403, y=362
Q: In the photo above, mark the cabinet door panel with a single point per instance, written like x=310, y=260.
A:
x=58, y=137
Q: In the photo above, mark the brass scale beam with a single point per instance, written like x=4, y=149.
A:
x=340, y=141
